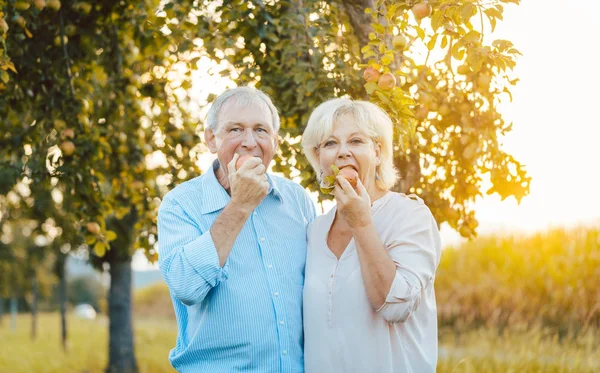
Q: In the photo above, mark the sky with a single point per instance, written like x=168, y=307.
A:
x=555, y=114
x=556, y=124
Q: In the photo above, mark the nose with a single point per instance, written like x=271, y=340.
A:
x=343, y=151
x=248, y=141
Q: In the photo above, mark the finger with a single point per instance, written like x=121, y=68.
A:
x=260, y=169
x=266, y=187
x=251, y=163
x=339, y=195
x=231, y=165
x=362, y=191
x=345, y=184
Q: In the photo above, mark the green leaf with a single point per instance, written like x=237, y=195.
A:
x=335, y=169
x=436, y=20
x=378, y=28
x=89, y=239
x=420, y=32
x=444, y=42
x=472, y=36
x=4, y=76
x=467, y=11
x=493, y=13
x=370, y=87
x=432, y=42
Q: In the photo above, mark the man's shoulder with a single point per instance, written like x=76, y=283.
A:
x=184, y=188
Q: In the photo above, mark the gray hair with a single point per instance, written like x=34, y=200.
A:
x=243, y=96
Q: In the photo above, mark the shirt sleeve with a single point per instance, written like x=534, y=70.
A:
x=187, y=257
x=414, y=245
x=309, y=209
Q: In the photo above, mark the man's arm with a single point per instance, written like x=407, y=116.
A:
x=249, y=186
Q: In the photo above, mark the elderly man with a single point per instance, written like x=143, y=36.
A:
x=232, y=247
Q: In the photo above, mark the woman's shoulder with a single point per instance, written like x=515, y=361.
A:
x=401, y=205
x=409, y=201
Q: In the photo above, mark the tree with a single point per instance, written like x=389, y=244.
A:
x=85, y=101
x=447, y=125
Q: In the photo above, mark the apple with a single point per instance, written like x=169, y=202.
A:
x=241, y=160
x=21, y=21
x=444, y=110
x=67, y=133
x=421, y=10
x=371, y=75
x=463, y=69
x=39, y=4
x=3, y=25
x=399, y=42
x=68, y=148
x=349, y=174
x=22, y=5
x=93, y=228
x=421, y=113
x=387, y=81
x=53, y=4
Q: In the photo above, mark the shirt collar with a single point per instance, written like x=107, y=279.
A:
x=218, y=197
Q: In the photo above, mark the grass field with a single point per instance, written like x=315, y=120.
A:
x=520, y=303
x=481, y=350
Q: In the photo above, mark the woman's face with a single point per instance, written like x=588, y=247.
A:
x=349, y=146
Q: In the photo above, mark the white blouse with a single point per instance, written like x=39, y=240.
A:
x=342, y=331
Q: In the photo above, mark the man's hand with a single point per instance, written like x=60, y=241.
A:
x=249, y=185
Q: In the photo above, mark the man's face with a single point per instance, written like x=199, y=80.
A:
x=243, y=129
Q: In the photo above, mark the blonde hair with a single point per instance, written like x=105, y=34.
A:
x=369, y=117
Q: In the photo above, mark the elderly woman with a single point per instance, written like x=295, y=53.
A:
x=369, y=302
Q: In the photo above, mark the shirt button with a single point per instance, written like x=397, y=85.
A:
x=331, y=276
x=255, y=213
x=262, y=239
x=270, y=266
x=281, y=322
x=285, y=352
x=276, y=293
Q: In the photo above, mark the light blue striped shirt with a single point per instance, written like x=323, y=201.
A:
x=247, y=315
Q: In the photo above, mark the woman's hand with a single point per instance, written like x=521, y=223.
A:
x=354, y=208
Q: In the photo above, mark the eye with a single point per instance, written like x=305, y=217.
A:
x=235, y=129
x=328, y=143
x=262, y=130
x=356, y=141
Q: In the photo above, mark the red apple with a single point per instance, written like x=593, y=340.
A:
x=371, y=75
x=241, y=160
x=387, y=81
x=349, y=174
x=421, y=10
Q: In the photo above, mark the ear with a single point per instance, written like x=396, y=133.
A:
x=378, y=148
x=209, y=137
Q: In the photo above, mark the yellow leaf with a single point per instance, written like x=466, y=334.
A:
x=100, y=249
x=111, y=236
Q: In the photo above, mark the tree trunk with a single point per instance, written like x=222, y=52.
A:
x=360, y=21
x=13, y=313
x=62, y=297
x=34, y=306
x=1, y=310
x=121, y=351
